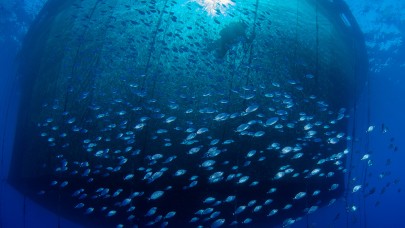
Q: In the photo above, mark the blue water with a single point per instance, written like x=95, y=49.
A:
x=381, y=103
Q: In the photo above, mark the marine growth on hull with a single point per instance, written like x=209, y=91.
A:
x=186, y=113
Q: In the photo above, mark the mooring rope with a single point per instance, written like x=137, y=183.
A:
x=8, y=102
x=367, y=148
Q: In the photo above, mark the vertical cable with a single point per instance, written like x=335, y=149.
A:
x=6, y=124
x=317, y=45
x=296, y=39
x=24, y=210
x=151, y=50
x=154, y=36
x=367, y=147
x=77, y=55
x=251, y=42
x=316, y=74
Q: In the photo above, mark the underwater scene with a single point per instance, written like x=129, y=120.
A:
x=202, y=113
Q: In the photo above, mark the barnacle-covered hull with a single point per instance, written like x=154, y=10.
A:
x=130, y=106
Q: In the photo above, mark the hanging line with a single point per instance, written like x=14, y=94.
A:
x=24, y=210
x=316, y=74
x=158, y=58
x=3, y=149
x=253, y=36
x=350, y=158
x=75, y=60
x=367, y=148
x=355, y=113
x=317, y=45
x=14, y=79
x=250, y=49
x=296, y=40
x=58, y=210
x=151, y=50
x=352, y=144
x=154, y=36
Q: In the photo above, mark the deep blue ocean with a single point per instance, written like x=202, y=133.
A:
x=375, y=163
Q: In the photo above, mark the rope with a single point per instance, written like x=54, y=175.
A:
x=349, y=176
x=77, y=55
x=2, y=154
x=250, y=49
x=151, y=49
x=24, y=210
x=296, y=40
x=365, y=170
x=251, y=42
x=316, y=74
x=367, y=147
x=4, y=133
x=155, y=33
x=317, y=46
x=58, y=212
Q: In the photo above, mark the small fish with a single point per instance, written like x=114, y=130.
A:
x=79, y=205
x=370, y=128
x=191, y=136
x=259, y=134
x=230, y=199
x=286, y=150
x=221, y=117
x=312, y=209
x=333, y=187
x=125, y=202
x=288, y=222
x=193, y=184
x=365, y=157
x=257, y=208
x=251, y=203
x=218, y=223
x=268, y=201
x=228, y=141
x=271, y=190
x=209, y=200
x=242, y=127
x=207, y=211
x=170, y=214
x=202, y=130
x=151, y=211
x=251, y=108
x=194, y=150
x=129, y=177
x=271, y=121
x=193, y=219
x=287, y=206
x=89, y=210
x=214, y=142
x=247, y=221
x=243, y=179
x=272, y=212
x=215, y=214
x=64, y=184
x=356, y=188
x=170, y=119
x=111, y=213
x=239, y=210
x=300, y=195
x=180, y=172
x=208, y=163
x=116, y=193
